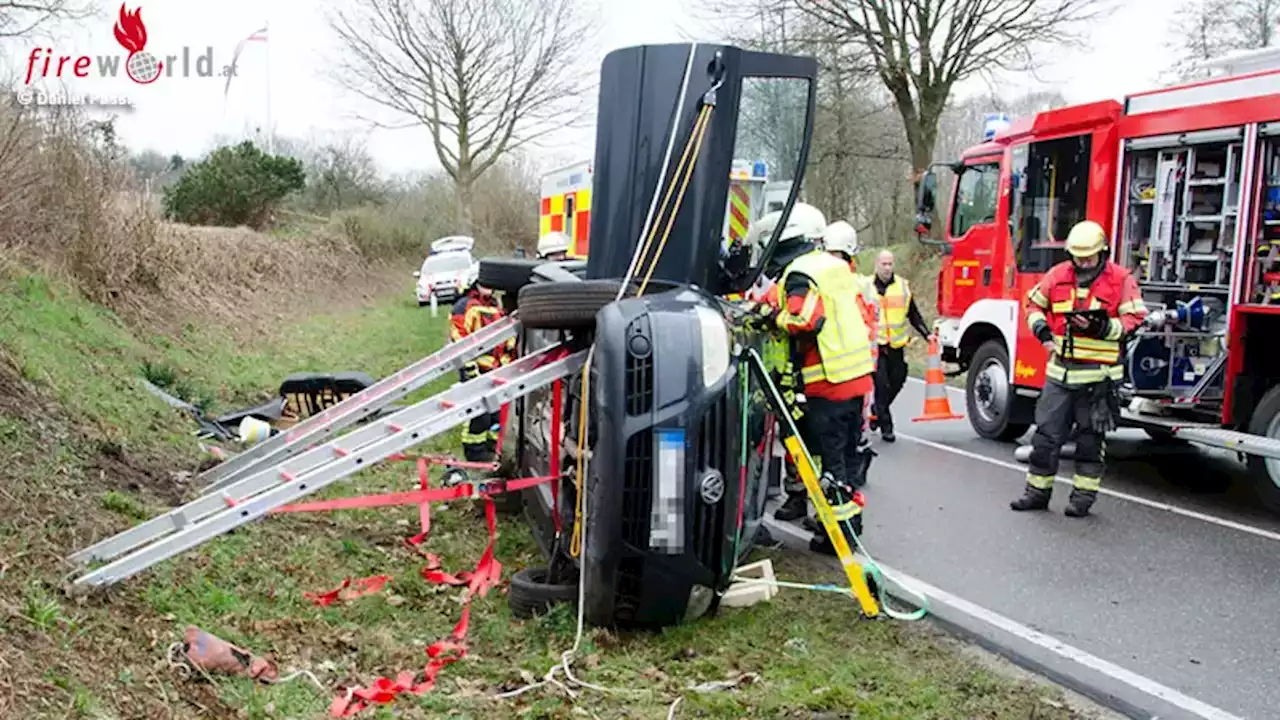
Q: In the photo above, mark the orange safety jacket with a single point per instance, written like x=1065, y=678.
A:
x=1084, y=359
x=471, y=312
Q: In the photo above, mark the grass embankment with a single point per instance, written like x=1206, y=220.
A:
x=89, y=453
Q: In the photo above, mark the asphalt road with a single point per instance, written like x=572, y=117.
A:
x=1176, y=578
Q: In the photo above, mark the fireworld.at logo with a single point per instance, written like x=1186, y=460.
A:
x=140, y=65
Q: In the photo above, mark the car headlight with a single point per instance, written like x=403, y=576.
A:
x=714, y=336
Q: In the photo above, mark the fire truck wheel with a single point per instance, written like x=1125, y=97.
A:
x=531, y=594
x=989, y=396
x=1266, y=471
x=565, y=305
x=506, y=274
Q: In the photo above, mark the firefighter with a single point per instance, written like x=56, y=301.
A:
x=899, y=310
x=553, y=247
x=817, y=308
x=841, y=240
x=777, y=353
x=477, y=308
x=1084, y=368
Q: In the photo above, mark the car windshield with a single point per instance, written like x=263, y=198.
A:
x=448, y=262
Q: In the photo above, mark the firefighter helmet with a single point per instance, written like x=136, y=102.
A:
x=809, y=219
x=1086, y=238
x=553, y=242
x=841, y=237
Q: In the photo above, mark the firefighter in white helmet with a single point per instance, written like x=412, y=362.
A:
x=553, y=246
x=815, y=306
x=1080, y=311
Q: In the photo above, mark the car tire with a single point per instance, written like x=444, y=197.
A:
x=1266, y=473
x=565, y=305
x=991, y=416
x=506, y=275
x=530, y=593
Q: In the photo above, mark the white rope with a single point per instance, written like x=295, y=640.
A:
x=566, y=659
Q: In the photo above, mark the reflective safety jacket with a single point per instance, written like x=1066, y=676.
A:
x=471, y=312
x=1077, y=359
x=821, y=310
x=894, y=331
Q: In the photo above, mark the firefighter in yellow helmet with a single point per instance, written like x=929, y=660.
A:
x=1080, y=311
x=818, y=309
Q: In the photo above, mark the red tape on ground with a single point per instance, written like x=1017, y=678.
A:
x=443, y=652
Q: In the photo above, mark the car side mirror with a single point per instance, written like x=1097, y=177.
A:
x=417, y=274
x=926, y=199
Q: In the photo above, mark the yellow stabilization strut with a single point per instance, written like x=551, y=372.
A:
x=808, y=474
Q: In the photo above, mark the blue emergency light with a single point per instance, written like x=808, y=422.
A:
x=993, y=123
x=760, y=169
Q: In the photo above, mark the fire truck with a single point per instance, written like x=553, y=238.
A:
x=565, y=205
x=1186, y=181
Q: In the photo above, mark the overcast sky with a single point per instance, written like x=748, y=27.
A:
x=184, y=115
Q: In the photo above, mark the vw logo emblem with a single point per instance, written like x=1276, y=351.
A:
x=712, y=487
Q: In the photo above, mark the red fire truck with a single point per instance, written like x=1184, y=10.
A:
x=1186, y=180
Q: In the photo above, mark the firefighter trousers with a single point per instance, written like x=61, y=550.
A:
x=480, y=438
x=1059, y=409
x=835, y=427
x=891, y=375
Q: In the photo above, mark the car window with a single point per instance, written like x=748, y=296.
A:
x=448, y=262
x=975, y=201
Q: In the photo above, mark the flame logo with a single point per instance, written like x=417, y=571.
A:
x=130, y=32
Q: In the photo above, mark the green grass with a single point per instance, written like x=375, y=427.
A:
x=96, y=452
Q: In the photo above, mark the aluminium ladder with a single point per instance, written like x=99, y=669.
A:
x=359, y=406
x=259, y=492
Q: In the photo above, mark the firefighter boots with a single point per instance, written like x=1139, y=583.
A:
x=1033, y=498
x=1079, y=503
x=796, y=507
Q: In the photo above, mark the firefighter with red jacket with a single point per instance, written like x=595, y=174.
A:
x=820, y=313
x=475, y=309
x=1084, y=368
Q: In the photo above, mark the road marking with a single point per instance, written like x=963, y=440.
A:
x=1048, y=642
x=1176, y=510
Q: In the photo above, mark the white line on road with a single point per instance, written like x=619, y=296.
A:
x=1139, y=682
x=1176, y=510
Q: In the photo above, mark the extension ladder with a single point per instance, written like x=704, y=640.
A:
x=362, y=405
x=260, y=491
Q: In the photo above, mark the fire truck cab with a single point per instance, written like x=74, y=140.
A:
x=1186, y=181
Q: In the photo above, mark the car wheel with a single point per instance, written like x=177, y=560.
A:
x=565, y=305
x=989, y=397
x=530, y=593
x=506, y=275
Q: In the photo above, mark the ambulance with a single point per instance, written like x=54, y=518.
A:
x=565, y=205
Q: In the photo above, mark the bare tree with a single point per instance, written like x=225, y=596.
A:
x=484, y=77
x=920, y=49
x=1207, y=29
x=24, y=17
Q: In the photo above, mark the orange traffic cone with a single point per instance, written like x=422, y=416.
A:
x=936, y=404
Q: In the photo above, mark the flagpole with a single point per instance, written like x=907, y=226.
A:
x=270, y=130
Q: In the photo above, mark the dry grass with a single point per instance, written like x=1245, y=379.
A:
x=71, y=212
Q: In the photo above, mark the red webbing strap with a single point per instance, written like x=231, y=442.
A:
x=364, y=586
x=424, y=509
x=557, y=407
x=443, y=652
x=417, y=497
x=503, y=414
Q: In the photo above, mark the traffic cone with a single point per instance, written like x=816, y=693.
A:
x=936, y=404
